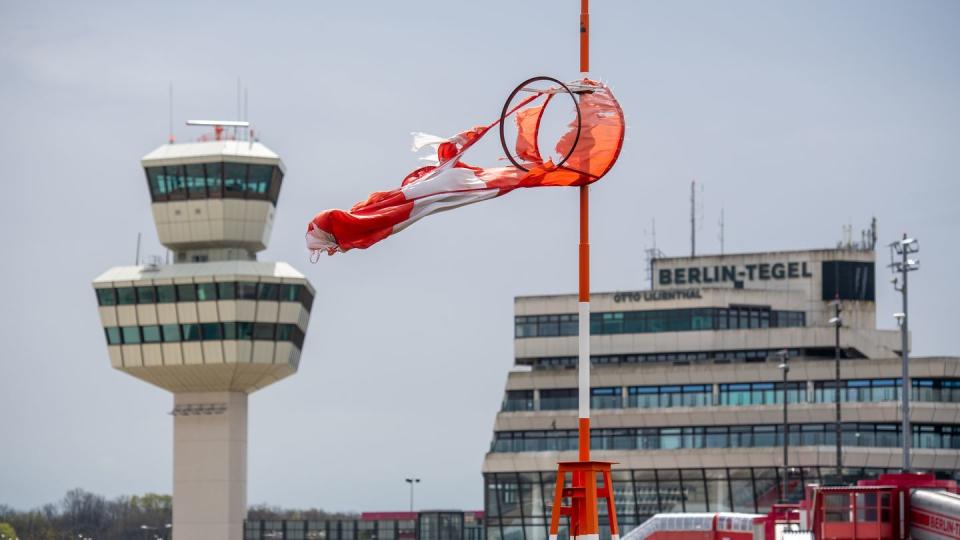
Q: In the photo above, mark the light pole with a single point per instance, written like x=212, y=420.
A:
x=837, y=322
x=785, y=366
x=412, y=481
x=901, y=250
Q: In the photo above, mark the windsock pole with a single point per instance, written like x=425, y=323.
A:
x=584, y=492
x=584, y=269
x=587, y=524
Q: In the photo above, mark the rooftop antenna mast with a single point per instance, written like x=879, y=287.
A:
x=170, y=114
x=693, y=218
x=240, y=117
x=652, y=253
x=721, y=230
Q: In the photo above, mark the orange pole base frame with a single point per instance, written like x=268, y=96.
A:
x=583, y=495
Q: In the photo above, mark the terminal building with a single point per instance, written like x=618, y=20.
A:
x=687, y=394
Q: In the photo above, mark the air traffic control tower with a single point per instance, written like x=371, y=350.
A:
x=215, y=325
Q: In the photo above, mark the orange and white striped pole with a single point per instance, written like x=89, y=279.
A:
x=588, y=526
x=584, y=285
x=583, y=510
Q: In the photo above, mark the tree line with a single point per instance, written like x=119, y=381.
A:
x=83, y=515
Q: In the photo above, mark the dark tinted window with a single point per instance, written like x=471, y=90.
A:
x=206, y=291
x=166, y=293
x=196, y=181
x=246, y=290
x=171, y=332
x=146, y=295
x=269, y=291
x=211, y=331
x=851, y=280
x=131, y=334
x=234, y=179
x=228, y=290
x=157, y=182
x=106, y=297
x=126, y=296
x=191, y=332
x=289, y=293
x=187, y=293
x=214, y=179
x=113, y=336
x=229, y=330
x=176, y=182
x=151, y=334
x=263, y=331
x=258, y=183
x=244, y=330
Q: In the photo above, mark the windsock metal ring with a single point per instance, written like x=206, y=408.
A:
x=506, y=108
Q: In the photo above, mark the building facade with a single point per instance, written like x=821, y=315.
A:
x=214, y=326
x=423, y=525
x=687, y=394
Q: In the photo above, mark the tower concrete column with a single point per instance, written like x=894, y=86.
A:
x=209, y=465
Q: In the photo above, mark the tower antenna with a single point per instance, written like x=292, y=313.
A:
x=170, y=114
x=721, y=230
x=239, y=92
x=652, y=253
x=693, y=217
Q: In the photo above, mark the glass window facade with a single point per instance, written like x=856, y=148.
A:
x=719, y=356
x=868, y=390
x=171, y=333
x=202, y=292
x=652, y=397
x=663, y=320
x=556, y=399
x=518, y=400
x=742, y=436
x=445, y=525
x=731, y=394
x=606, y=398
x=214, y=180
x=518, y=505
x=765, y=393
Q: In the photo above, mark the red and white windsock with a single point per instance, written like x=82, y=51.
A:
x=591, y=151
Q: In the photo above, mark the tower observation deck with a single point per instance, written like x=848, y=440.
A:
x=213, y=326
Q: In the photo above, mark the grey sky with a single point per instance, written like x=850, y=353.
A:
x=797, y=117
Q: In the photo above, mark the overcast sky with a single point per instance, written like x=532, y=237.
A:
x=798, y=118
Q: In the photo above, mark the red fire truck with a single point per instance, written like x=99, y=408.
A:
x=892, y=507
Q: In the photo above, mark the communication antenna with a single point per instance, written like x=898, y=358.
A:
x=651, y=253
x=245, y=117
x=137, y=262
x=218, y=126
x=693, y=218
x=721, y=230
x=239, y=93
x=170, y=112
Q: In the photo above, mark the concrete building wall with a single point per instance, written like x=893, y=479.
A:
x=209, y=465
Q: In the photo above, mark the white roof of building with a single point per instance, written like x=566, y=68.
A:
x=196, y=152
x=192, y=270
